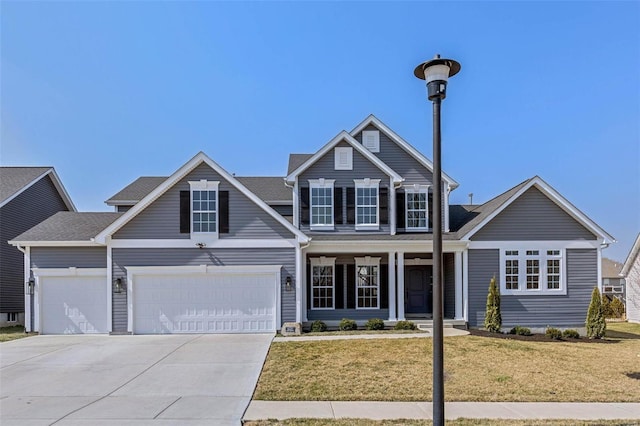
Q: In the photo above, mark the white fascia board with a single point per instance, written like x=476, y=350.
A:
x=69, y=272
x=633, y=255
x=121, y=203
x=344, y=136
x=202, y=269
x=198, y=159
x=554, y=196
x=372, y=119
x=56, y=182
x=218, y=244
x=55, y=244
x=381, y=246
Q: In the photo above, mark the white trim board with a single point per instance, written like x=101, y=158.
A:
x=218, y=244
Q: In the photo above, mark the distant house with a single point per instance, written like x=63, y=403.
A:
x=631, y=272
x=347, y=233
x=612, y=281
x=28, y=195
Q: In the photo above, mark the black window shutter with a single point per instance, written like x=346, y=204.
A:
x=430, y=208
x=308, y=286
x=185, y=212
x=337, y=206
x=339, y=287
x=400, y=210
x=351, y=206
x=304, y=206
x=223, y=214
x=351, y=286
x=384, y=205
x=384, y=286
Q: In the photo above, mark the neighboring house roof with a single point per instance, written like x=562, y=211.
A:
x=492, y=208
x=200, y=158
x=15, y=180
x=373, y=120
x=67, y=227
x=611, y=268
x=270, y=189
x=634, y=253
x=344, y=136
x=136, y=190
x=296, y=160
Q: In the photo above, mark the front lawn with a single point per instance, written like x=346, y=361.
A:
x=12, y=333
x=476, y=369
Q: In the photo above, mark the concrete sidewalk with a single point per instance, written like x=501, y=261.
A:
x=262, y=410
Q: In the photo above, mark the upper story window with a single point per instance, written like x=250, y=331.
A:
x=371, y=140
x=321, y=203
x=343, y=158
x=533, y=271
x=416, y=207
x=367, y=282
x=204, y=207
x=323, y=272
x=367, y=204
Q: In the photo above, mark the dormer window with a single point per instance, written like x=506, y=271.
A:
x=204, y=207
x=371, y=140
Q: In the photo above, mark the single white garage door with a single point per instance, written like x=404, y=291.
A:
x=73, y=304
x=216, y=302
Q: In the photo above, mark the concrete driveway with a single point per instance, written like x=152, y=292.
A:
x=129, y=380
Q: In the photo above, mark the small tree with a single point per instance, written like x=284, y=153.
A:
x=606, y=307
x=596, y=325
x=492, y=317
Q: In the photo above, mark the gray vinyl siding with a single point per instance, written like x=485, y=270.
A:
x=533, y=216
x=31, y=207
x=284, y=210
x=122, y=209
x=568, y=310
x=190, y=257
x=400, y=160
x=161, y=219
x=449, y=285
x=354, y=314
x=67, y=257
x=362, y=168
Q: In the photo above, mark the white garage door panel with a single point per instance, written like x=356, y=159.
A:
x=73, y=305
x=222, y=303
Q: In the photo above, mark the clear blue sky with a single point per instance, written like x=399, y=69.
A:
x=109, y=91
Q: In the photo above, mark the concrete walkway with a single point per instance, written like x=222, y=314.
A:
x=375, y=410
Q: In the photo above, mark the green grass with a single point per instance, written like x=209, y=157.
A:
x=12, y=333
x=458, y=422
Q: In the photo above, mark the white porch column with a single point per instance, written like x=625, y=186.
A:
x=465, y=284
x=27, y=298
x=458, y=286
x=299, y=285
x=392, y=286
x=303, y=293
x=400, y=297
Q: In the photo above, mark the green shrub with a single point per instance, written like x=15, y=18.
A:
x=553, y=333
x=347, y=324
x=404, y=325
x=617, y=308
x=596, y=325
x=492, y=317
x=571, y=334
x=318, y=326
x=374, y=324
x=520, y=331
x=606, y=307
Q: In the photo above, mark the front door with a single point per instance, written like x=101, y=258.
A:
x=418, y=289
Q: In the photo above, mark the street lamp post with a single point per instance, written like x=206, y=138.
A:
x=436, y=73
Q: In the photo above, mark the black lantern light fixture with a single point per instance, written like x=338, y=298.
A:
x=287, y=283
x=30, y=287
x=117, y=285
x=436, y=73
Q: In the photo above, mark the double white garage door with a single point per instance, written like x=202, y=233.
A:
x=165, y=300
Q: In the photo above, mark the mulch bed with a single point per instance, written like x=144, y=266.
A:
x=535, y=337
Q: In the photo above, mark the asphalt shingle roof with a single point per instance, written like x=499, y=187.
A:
x=268, y=188
x=136, y=190
x=69, y=226
x=296, y=160
x=13, y=179
x=611, y=268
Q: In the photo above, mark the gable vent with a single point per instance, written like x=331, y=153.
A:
x=371, y=140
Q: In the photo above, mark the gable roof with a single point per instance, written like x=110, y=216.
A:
x=495, y=206
x=15, y=180
x=271, y=189
x=610, y=268
x=344, y=136
x=296, y=160
x=373, y=120
x=632, y=257
x=65, y=227
x=189, y=166
x=136, y=190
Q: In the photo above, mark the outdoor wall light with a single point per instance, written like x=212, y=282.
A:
x=117, y=285
x=201, y=245
x=31, y=284
x=288, y=283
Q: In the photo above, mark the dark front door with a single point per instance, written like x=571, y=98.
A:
x=418, y=289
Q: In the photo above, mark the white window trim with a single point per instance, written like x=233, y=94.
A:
x=542, y=273
x=415, y=189
x=368, y=261
x=204, y=185
x=321, y=183
x=368, y=183
x=338, y=152
x=376, y=145
x=324, y=261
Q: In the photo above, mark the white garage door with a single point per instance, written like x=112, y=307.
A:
x=73, y=305
x=205, y=303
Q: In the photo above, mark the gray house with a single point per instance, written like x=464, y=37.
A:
x=28, y=195
x=612, y=282
x=347, y=233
